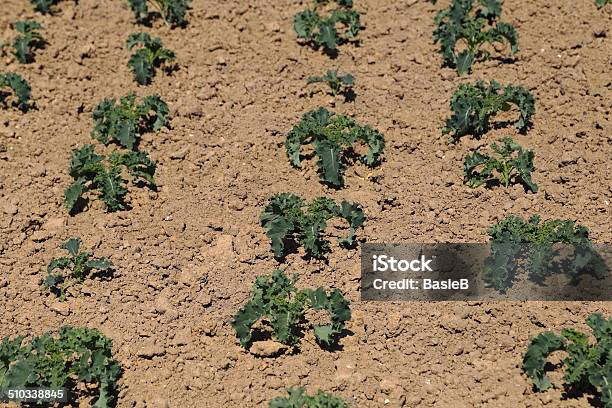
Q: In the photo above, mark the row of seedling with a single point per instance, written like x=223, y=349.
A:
x=77, y=362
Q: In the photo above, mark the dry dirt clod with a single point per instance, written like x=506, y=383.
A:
x=62, y=308
x=150, y=351
x=267, y=348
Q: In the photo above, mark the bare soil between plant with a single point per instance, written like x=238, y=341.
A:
x=187, y=255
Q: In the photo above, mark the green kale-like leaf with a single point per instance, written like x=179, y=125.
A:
x=514, y=239
x=126, y=121
x=74, y=193
x=74, y=355
x=281, y=218
x=464, y=61
x=492, y=9
x=297, y=398
x=478, y=168
x=534, y=361
x=333, y=137
x=73, y=246
x=330, y=164
x=78, y=264
x=473, y=106
x=460, y=24
x=354, y=215
x=586, y=364
x=601, y=3
x=44, y=6
x=338, y=84
x=274, y=297
x=139, y=166
x=339, y=311
x=149, y=56
x=19, y=86
x=29, y=39
x=277, y=302
x=287, y=223
x=111, y=188
x=322, y=31
x=172, y=11
x=94, y=172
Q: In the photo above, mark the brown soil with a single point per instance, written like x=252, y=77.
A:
x=186, y=256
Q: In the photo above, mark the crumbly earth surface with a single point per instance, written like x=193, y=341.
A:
x=187, y=255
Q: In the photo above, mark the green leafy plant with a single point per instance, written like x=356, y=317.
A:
x=473, y=106
x=338, y=84
x=514, y=240
x=78, y=263
x=149, y=56
x=478, y=168
x=90, y=172
x=43, y=6
x=298, y=398
x=333, y=137
x=586, y=364
x=460, y=24
x=282, y=308
x=601, y=3
x=322, y=31
x=126, y=121
x=287, y=223
x=75, y=355
x=172, y=11
x=29, y=39
x=18, y=85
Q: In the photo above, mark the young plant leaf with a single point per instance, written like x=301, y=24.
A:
x=338, y=84
x=465, y=59
x=297, y=398
x=461, y=24
x=126, y=120
x=151, y=54
x=534, y=360
x=586, y=365
x=322, y=31
x=478, y=169
x=93, y=172
x=473, y=106
x=44, y=6
x=19, y=86
x=172, y=11
x=531, y=243
x=139, y=165
x=75, y=357
x=29, y=39
x=73, y=268
x=287, y=223
x=333, y=137
x=338, y=308
x=276, y=300
x=72, y=246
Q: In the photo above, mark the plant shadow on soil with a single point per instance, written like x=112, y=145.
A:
x=492, y=184
x=260, y=334
x=503, y=124
x=291, y=246
x=105, y=275
x=349, y=96
x=331, y=53
x=5, y=103
x=577, y=391
x=156, y=15
x=74, y=393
